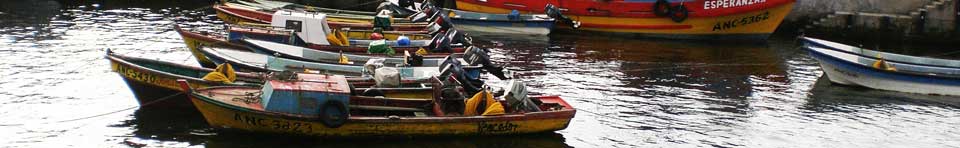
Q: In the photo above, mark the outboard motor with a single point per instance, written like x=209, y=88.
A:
x=476, y=56
x=451, y=96
x=444, y=42
x=398, y=11
x=405, y=3
x=451, y=67
x=554, y=13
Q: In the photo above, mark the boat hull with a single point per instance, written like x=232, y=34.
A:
x=497, y=27
x=744, y=25
x=220, y=115
x=839, y=69
x=240, y=15
x=149, y=87
x=195, y=40
x=149, y=95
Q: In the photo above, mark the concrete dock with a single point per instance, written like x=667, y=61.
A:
x=909, y=19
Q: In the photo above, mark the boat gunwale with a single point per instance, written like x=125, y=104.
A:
x=568, y=112
x=125, y=61
x=235, y=14
x=817, y=42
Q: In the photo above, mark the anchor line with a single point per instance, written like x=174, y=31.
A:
x=103, y=114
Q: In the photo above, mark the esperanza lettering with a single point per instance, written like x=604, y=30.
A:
x=296, y=127
x=741, y=21
x=714, y=4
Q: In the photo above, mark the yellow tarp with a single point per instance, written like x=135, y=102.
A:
x=344, y=59
x=493, y=106
x=421, y=51
x=224, y=74
x=883, y=65
x=338, y=38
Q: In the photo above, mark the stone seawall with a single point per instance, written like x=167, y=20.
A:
x=922, y=19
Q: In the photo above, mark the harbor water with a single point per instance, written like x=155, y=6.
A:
x=57, y=89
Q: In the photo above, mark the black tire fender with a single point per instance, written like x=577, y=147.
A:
x=679, y=13
x=333, y=114
x=661, y=8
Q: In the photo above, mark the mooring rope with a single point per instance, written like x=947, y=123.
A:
x=103, y=114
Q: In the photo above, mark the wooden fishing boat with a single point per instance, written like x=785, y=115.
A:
x=255, y=62
x=313, y=30
x=255, y=29
x=848, y=65
x=151, y=80
x=307, y=54
x=282, y=108
x=682, y=19
x=530, y=24
x=407, y=16
x=472, y=58
x=196, y=39
x=235, y=15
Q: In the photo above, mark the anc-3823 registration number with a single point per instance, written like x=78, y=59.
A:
x=280, y=125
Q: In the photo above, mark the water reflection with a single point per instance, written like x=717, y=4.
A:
x=826, y=97
x=155, y=127
x=629, y=92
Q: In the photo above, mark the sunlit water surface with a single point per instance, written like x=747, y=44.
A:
x=58, y=91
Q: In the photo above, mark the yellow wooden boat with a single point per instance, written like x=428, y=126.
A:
x=263, y=110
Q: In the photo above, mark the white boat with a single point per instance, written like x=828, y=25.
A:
x=848, y=65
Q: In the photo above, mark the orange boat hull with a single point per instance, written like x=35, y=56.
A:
x=758, y=23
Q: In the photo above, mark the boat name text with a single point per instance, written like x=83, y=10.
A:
x=134, y=74
x=720, y=26
x=500, y=127
x=714, y=4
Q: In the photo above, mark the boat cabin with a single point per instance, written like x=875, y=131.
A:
x=305, y=94
x=311, y=27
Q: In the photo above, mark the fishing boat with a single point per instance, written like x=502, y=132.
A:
x=255, y=62
x=195, y=39
x=237, y=15
x=307, y=54
x=313, y=31
x=284, y=33
x=324, y=110
x=399, y=14
x=848, y=65
x=153, y=81
x=529, y=24
x=679, y=19
x=200, y=38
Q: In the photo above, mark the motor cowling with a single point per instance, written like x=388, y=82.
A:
x=453, y=68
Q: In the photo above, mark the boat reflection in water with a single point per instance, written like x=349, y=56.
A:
x=158, y=126
x=648, y=91
x=826, y=97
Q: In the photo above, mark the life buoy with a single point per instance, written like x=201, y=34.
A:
x=661, y=8
x=333, y=114
x=679, y=13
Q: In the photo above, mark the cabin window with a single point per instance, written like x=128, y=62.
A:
x=294, y=25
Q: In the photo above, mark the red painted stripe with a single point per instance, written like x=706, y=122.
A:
x=612, y=26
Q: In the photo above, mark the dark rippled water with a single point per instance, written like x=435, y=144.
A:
x=629, y=92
